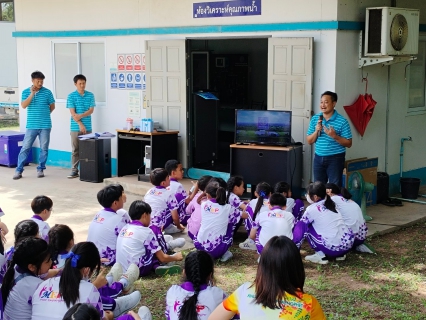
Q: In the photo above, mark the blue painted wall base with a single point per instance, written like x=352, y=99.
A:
x=394, y=179
x=62, y=159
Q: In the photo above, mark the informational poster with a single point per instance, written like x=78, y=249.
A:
x=120, y=61
x=138, y=80
x=134, y=104
x=114, y=80
x=129, y=73
x=121, y=80
x=129, y=81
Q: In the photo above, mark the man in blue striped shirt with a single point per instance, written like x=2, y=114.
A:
x=81, y=104
x=39, y=103
x=331, y=134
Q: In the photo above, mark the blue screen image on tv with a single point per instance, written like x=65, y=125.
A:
x=263, y=127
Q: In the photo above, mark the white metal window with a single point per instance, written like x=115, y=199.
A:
x=417, y=82
x=74, y=58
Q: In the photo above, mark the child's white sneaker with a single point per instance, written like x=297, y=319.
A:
x=317, y=257
x=226, y=256
x=176, y=243
x=341, y=258
x=126, y=303
x=248, y=244
x=131, y=275
x=144, y=313
x=171, y=229
x=115, y=272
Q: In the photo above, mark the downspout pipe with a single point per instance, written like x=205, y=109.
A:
x=401, y=154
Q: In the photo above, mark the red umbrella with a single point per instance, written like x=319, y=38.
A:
x=361, y=111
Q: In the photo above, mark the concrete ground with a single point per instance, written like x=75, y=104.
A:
x=75, y=203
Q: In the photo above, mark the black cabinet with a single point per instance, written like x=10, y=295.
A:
x=256, y=163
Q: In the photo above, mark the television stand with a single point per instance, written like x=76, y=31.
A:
x=258, y=163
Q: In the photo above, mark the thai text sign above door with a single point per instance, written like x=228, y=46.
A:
x=233, y=8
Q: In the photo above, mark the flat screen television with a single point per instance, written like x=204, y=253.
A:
x=263, y=127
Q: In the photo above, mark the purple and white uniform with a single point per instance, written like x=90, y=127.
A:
x=20, y=296
x=162, y=202
x=296, y=207
x=275, y=222
x=217, y=227
x=180, y=194
x=43, y=227
x=104, y=230
x=49, y=305
x=251, y=206
x=352, y=215
x=325, y=230
x=194, y=210
x=137, y=244
x=234, y=200
x=208, y=299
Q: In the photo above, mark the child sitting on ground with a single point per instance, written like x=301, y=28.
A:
x=262, y=193
x=218, y=221
x=352, y=215
x=55, y=296
x=86, y=311
x=323, y=226
x=163, y=203
x=197, y=297
x=194, y=208
x=275, y=222
x=30, y=260
x=175, y=170
x=62, y=240
x=25, y=228
x=277, y=291
x=140, y=244
x=234, y=190
x=107, y=223
x=296, y=207
x=42, y=207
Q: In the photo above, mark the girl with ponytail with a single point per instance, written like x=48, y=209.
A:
x=323, y=226
x=196, y=298
x=218, y=221
x=53, y=297
x=30, y=260
x=262, y=193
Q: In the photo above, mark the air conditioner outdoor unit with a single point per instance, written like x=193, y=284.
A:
x=391, y=31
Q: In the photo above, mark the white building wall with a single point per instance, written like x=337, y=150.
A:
x=8, y=62
x=113, y=14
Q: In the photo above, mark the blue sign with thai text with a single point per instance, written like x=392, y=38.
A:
x=233, y=8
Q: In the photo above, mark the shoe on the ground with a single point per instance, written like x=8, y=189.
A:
x=341, y=258
x=144, y=313
x=74, y=174
x=17, y=175
x=365, y=248
x=131, y=275
x=40, y=174
x=226, y=256
x=176, y=243
x=167, y=238
x=317, y=258
x=248, y=244
x=126, y=303
x=116, y=272
x=171, y=229
x=163, y=270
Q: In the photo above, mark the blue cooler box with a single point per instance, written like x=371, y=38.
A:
x=10, y=146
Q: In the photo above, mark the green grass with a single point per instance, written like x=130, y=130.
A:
x=9, y=125
x=389, y=285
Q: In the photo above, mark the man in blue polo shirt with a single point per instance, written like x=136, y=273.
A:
x=81, y=104
x=39, y=103
x=331, y=134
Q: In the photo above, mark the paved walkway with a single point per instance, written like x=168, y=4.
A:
x=75, y=203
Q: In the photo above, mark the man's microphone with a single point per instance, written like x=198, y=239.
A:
x=320, y=117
